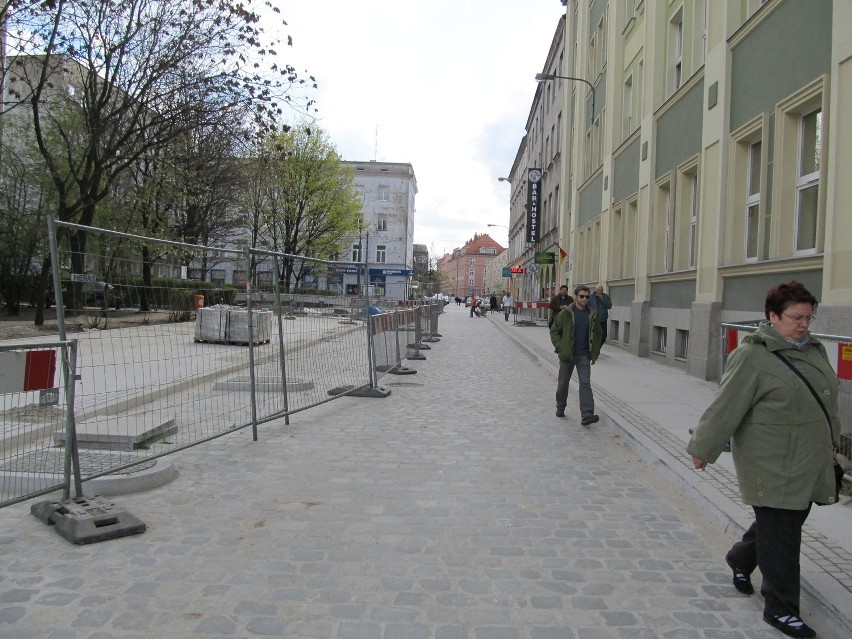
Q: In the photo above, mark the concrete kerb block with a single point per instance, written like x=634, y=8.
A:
x=85, y=520
x=364, y=391
x=399, y=369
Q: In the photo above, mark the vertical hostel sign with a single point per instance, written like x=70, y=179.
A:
x=533, y=202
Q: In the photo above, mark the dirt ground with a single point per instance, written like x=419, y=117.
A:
x=23, y=325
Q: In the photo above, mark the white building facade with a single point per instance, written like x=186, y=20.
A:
x=386, y=241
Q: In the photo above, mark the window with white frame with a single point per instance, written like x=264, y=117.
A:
x=662, y=228
x=381, y=254
x=692, y=185
x=627, y=108
x=676, y=51
x=658, y=343
x=629, y=11
x=382, y=222
x=630, y=238
x=553, y=138
x=592, y=53
x=807, y=180
x=616, y=255
x=384, y=193
x=681, y=344
x=559, y=133
x=356, y=253
x=752, y=203
x=555, y=206
x=683, y=218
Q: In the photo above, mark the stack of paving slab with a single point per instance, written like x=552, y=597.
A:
x=223, y=324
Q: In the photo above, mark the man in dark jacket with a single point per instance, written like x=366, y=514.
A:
x=600, y=303
x=576, y=336
x=558, y=302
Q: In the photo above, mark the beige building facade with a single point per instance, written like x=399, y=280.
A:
x=706, y=165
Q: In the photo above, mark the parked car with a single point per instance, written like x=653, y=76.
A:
x=50, y=296
x=101, y=294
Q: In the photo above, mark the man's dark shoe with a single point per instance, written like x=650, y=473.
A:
x=590, y=419
x=790, y=625
x=560, y=412
x=742, y=581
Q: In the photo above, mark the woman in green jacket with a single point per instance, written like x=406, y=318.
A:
x=781, y=444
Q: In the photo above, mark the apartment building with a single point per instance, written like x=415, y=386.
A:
x=536, y=211
x=703, y=152
x=465, y=267
x=386, y=241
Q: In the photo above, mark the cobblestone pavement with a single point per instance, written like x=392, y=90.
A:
x=457, y=507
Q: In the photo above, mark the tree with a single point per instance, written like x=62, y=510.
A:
x=139, y=74
x=25, y=199
x=306, y=199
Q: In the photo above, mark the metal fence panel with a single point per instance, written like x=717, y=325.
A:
x=33, y=414
x=169, y=355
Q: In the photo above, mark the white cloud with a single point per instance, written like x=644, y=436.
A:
x=443, y=84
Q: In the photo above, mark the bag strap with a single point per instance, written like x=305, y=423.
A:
x=807, y=383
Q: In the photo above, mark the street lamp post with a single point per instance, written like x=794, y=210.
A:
x=542, y=77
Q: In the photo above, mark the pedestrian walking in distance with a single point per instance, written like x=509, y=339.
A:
x=507, y=305
x=783, y=430
x=600, y=304
x=576, y=336
x=558, y=302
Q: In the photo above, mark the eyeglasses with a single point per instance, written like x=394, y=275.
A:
x=583, y=297
x=800, y=319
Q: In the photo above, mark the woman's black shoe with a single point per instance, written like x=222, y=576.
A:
x=742, y=581
x=790, y=625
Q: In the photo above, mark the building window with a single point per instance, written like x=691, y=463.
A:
x=381, y=254
x=356, y=253
x=748, y=216
x=752, y=203
x=616, y=230
x=626, y=338
x=629, y=11
x=627, y=108
x=676, y=50
x=629, y=239
x=681, y=344
x=382, y=222
x=807, y=180
x=658, y=345
x=559, y=133
x=384, y=193
x=684, y=218
x=593, y=73
x=798, y=207
x=663, y=229
x=693, y=221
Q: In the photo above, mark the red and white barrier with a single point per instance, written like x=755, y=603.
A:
x=27, y=371
x=532, y=304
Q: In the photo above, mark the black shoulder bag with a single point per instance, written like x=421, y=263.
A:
x=838, y=469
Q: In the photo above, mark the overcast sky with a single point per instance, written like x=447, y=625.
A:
x=445, y=85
